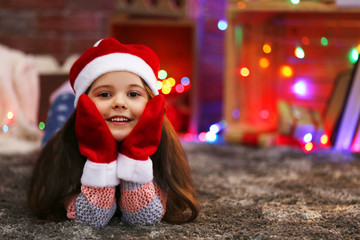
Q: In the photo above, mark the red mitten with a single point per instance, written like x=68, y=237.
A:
x=97, y=144
x=134, y=163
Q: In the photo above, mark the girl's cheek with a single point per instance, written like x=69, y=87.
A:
x=142, y=108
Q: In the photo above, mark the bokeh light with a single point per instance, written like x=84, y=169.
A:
x=324, y=41
x=324, y=139
x=264, y=62
x=354, y=55
x=223, y=124
x=179, y=88
x=222, y=24
x=267, y=48
x=166, y=90
x=211, y=137
x=236, y=113
x=202, y=137
x=264, y=114
x=241, y=5
x=299, y=53
x=185, y=81
x=188, y=137
x=308, y=137
x=171, y=82
x=10, y=115
x=286, y=71
x=300, y=88
x=215, y=128
x=244, y=72
x=305, y=40
x=42, y=125
x=162, y=74
x=309, y=147
x=159, y=85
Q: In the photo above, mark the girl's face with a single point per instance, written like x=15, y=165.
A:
x=120, y=98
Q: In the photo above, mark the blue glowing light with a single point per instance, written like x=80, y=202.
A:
x=5, y=128
x=211, y=137
x=223, y=124
x=215, y=128
x=185, y=81
x=222, y=24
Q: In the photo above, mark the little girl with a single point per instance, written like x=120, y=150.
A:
x=117, y=151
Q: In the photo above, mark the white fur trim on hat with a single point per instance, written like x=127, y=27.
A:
x=110, y=63
x=99, y=174
x=134, y=170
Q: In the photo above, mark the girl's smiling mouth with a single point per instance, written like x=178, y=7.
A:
x=118, y=119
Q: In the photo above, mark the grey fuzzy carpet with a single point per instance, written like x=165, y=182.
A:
x=245, y=193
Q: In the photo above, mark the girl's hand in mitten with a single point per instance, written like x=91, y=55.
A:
x=97, y=144
x=134, y=163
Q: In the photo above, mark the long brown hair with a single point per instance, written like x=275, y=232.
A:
x=57, y=172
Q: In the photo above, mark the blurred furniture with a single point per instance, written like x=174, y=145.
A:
x=251, y=97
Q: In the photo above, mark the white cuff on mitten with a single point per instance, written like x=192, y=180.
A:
x=132, y=170
x=99, y=174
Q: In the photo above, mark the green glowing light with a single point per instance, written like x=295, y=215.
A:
x=299, y=53
x=324, y=41
x=354, y=55
x=42, y=125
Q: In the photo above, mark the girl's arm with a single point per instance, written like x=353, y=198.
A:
x=96, y=202
x=95, y=206
x=142, y=204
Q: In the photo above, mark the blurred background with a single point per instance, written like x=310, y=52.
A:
x=255, y=72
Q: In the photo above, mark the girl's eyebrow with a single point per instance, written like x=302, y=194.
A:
x=136, y=85
x=102, y=86
x=110, y=86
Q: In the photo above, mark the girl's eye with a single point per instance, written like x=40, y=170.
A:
x=104, y=94
x=133, y=94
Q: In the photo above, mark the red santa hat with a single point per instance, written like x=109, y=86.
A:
x=109, y=55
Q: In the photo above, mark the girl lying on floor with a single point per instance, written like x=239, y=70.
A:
x=117, y=150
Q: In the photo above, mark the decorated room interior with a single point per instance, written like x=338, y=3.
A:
x=262, y=73
x=264, y=96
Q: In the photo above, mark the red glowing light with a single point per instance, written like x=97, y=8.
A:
x=202, y=137
x=179, y=88
x=188, y=137
x=305, y=40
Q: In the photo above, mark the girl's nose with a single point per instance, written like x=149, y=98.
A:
x=119, y=102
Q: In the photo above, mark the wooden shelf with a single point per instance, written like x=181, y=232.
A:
x=287, y=6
